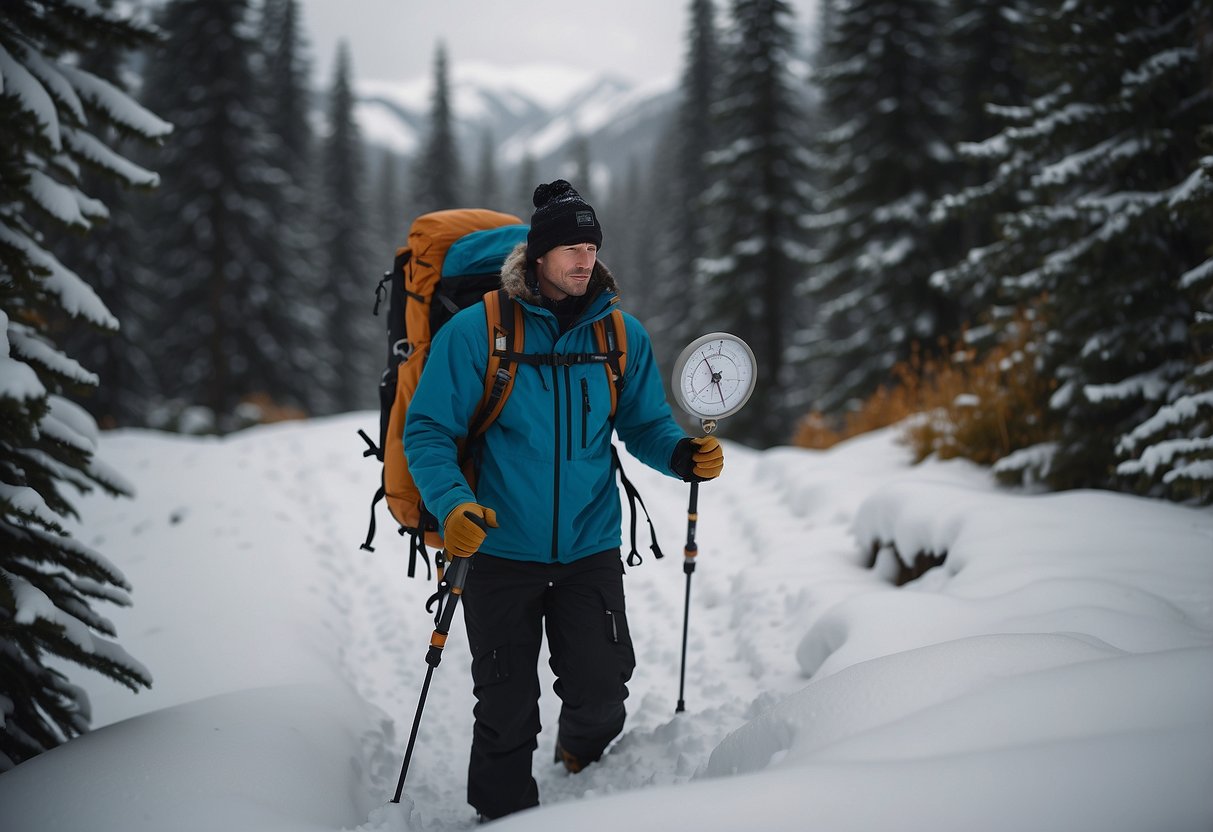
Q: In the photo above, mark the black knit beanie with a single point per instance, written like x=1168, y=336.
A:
x=561, y=218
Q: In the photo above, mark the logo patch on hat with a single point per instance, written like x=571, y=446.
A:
x=585, y=218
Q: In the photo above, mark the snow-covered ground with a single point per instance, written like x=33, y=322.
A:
x=1056, y=673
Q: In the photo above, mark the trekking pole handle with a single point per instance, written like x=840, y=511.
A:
x=458, y=570
x=692, y=548
x=455, y=577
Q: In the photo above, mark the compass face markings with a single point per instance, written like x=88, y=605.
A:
x=715, y=376
x=714, y=379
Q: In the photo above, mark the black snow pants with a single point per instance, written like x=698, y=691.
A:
x=506, y=604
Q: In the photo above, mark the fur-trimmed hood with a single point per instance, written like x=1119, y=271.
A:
x=513, y=278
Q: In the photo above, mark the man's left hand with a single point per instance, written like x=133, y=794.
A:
x=698, y=459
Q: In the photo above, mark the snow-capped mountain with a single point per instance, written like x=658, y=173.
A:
x=540, y=110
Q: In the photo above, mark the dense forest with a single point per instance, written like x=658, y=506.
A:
x=990, y=220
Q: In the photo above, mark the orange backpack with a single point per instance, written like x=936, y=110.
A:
x=452, y=260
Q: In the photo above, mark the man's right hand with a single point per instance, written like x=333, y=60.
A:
x=465, y=529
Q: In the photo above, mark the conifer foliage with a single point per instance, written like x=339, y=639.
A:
x=438, y=174
x=758, y=247
x=882, y=156
x=1171, y=452
x=286, y=83
x=348, y=293
x=55, y=117
x=120, y=358
x=307, y=378
x=1112, y=226
x=988, y=67
x=217, y=248
x=671, y=222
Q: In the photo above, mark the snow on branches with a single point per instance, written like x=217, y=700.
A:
x=57, y=119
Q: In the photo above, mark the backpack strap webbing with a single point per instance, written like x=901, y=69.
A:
x=613, y=343
x=506, y=336
x=634, y=558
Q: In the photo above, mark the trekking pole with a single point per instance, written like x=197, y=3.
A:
x=456, y=576
x=688, y=567
x=713, y=378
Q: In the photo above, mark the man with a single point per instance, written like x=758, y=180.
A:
x=545, y=515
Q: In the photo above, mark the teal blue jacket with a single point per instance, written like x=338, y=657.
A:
x=545, y=464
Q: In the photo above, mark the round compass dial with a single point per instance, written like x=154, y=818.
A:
x=714, y=376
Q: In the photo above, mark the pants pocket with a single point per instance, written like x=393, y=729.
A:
x=617, y=628
x=618, y=637
x=492, y=666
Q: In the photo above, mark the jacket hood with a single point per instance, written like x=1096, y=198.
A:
x=513, y=278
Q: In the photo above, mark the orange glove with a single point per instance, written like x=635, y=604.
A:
x=698, y=459
x=465, y=529
x=708, y=458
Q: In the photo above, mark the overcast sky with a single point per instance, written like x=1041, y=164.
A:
x=394, y=40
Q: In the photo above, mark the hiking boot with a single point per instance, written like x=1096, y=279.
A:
x=572, y=763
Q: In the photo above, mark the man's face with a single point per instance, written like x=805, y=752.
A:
x=565, y=270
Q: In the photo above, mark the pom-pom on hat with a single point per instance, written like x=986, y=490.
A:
x=561, y=218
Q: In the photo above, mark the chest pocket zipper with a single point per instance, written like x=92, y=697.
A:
x=585, y=411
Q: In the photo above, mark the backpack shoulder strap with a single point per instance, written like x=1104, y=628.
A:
x=613, y=342
x=506, y=335
x=505, y=332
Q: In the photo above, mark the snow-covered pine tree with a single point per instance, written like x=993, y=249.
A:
x=214, y=236
x=438, y=172
x=580, y=167
x=696, y=131
x=627, y=216
x=881, y=159
x=105, y=254
x=56, y=116
x=1097, y=159
x=286, y=71
x=392, y=219
x=1172, y=451
x=298, y=325
x=758, y=253
x=488, y=184
x=526, y=182
x=351, y=267
x=675, y=224
x=988, y=68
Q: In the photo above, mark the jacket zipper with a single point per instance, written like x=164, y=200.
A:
x=556, y=468
x=585, y=410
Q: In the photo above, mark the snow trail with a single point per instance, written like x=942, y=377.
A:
x=287, y=662
x=741, y=557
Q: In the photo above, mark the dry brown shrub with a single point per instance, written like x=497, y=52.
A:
x=887, y=406
x=267, y=411
x=958, y=403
